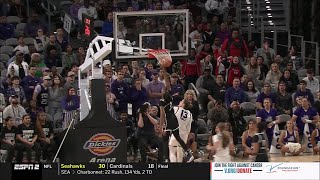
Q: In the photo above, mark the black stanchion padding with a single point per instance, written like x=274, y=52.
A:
x=98, y=138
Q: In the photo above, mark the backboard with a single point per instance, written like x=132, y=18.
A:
x=136, y=32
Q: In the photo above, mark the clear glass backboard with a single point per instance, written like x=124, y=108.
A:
x=136, y=32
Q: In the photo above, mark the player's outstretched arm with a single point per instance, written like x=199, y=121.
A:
x=162, y=105
x=166, y=78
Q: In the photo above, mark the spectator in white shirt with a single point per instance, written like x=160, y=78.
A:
x=196, y=36
x=18, y=67
x=41, y=40
x=14, y=110
x=142, y=76
x=165, y=4
x=21, y=46
x=122, y=30
x=217, y=8
x=2, y=102
x=89, y=9
x=312, y=82
x=266, y=52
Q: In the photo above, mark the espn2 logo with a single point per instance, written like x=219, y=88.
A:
x=26, y=167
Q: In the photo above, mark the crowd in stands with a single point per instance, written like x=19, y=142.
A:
x=39, y=79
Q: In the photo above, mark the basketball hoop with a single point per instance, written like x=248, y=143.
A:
x=162, y=55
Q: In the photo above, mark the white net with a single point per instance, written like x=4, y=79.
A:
x=161, y=55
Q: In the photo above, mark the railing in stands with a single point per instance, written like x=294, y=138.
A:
x=308, y=50
x=28, y=7
x=295, y=40
x=50, y=9
x=311, y=52
x=278, y=45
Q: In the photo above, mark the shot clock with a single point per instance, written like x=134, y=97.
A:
x=88, y=26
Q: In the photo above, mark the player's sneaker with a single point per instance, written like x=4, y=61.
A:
x=199, y=160
x=167, y=97
x=188, y=157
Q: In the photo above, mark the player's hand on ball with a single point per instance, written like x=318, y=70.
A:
x=165, y=62
x=162, y=102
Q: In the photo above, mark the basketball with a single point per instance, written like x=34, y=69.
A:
x=165, y=62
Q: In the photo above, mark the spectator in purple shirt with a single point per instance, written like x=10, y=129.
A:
x=155, y=89
x=304, y=92
x=70, y=103
x=6, y=30
x=74, y=8
x=62, y=40
x=265, y=94
x=121, y=90
x=30, y=82
x=223, y=33
x=235, y=93
x=148, y=70
x=138, y=96
x=134, y=4
x=268, y=115
x=107, y=27
x=176, y=90
x=305, y=114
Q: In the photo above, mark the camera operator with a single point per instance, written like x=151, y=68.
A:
x=146, y=133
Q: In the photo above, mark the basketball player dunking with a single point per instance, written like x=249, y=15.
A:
x=167, y=114
x=184, y=118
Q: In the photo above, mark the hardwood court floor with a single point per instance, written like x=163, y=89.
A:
x=306, y=157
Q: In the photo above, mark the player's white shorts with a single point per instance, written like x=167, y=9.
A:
x=175, y=153
x=175, y=150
